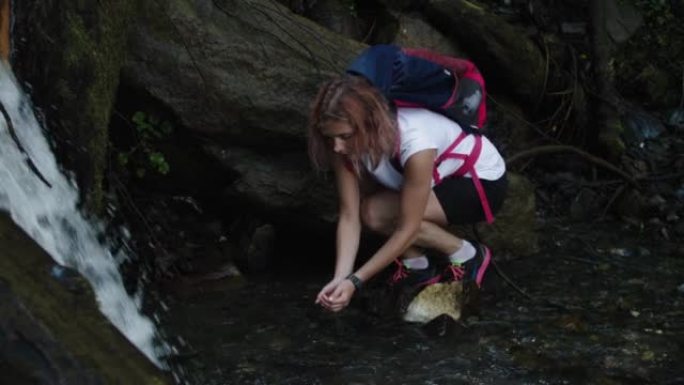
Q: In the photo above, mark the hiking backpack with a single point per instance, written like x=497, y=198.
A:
x=416, y=77
x=447, y=85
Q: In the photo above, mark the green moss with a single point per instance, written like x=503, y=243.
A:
x=611, y=138
x=92, y=55
x=660, y=42
x=473, y=6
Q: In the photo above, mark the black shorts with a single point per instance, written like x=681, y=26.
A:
x=461, y=203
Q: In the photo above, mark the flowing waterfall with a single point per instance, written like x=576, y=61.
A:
x=49, y=214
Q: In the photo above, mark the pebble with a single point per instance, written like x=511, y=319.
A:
x=672, y=217
x=620, y=252
x=681, y=288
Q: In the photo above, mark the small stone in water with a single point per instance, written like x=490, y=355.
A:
x=620, y=252
x=681, y=288
x=672, y=217
x=634, y=313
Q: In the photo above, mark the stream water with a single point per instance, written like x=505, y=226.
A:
x=47, y=210
x=602, y=305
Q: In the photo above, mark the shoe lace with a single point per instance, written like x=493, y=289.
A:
x=400, y=273
x=457, y=271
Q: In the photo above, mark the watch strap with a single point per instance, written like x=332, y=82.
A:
x=356, y=281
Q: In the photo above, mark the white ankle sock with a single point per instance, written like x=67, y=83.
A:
x=416, y=263
x=466, y=252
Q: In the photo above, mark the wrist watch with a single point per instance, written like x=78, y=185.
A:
x=356, y=281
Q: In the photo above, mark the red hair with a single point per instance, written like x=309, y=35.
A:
x=354, y=101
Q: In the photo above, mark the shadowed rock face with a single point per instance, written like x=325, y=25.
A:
x=243, y=70
x=51, y=331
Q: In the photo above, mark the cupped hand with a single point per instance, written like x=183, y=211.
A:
x=324, y=296
x=336, y=295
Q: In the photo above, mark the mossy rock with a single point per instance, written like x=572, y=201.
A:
x=515, y=229
x=71, y=55
x=657, y=87
x=51, y=330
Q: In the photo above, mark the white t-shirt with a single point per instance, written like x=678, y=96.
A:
x=422, y=129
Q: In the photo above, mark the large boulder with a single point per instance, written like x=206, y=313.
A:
x=51, y=331
x=242, y=74
x=241, y=70
x=501, y=50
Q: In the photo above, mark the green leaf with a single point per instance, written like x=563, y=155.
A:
x=156, y=157
x=122, y=159
x=164, y=168
x=138, y=118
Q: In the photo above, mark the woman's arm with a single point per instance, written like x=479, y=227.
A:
x=349, y=222
x=414, y=198
x=348, y=232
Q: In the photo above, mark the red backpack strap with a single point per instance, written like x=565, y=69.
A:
x=468, y=166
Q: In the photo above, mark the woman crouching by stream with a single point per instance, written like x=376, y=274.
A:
x=432, y=172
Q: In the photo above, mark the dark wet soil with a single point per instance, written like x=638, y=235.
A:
x=602, y=304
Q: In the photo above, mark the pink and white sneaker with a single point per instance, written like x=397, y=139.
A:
x=472, y=270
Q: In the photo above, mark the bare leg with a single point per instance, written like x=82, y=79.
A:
x=380, y=213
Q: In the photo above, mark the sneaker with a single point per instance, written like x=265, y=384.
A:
x=472, y=270
x=413, y=277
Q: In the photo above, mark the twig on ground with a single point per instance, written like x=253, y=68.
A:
x=583, y=260
x=521, y=291
x=510, y=282
x=612, y=200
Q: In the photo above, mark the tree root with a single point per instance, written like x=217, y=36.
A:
x=564, y=148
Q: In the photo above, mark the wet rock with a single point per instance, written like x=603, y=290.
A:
x=680, y=193
x=339, y=16
x=70, y=279
x=622, y=20
x=656, y=202
x=441, y=326
x=513, y=230
x=572, y=322
x=585, y=205
x=261, y=247
x=679, y=229
x=672, y=217
x=414, y=31
x=256, y=243
x=630, y=204
x=51, y=335
x=578, y=28
x=676, y=119
x=680, y=289
x=655, y=86
x=643, y=252
x=640, y=126
x=434, y=301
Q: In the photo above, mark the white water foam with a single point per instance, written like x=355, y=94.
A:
x=51, y=217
